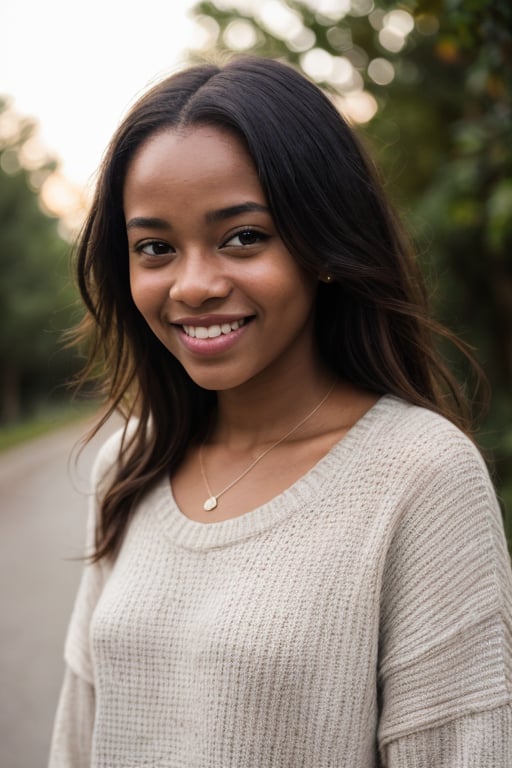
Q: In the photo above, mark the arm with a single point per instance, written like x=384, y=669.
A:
x=446, y=630
x=74, y=721
x=482, y=740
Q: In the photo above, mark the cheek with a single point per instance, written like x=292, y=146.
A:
x=146, y=290
x=298, y=293
x=281, y=282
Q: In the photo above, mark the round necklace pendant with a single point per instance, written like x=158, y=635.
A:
x=210, y=504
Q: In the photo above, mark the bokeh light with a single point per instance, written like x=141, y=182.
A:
x=240, y=35
x=361, y=7
x=342, y=72
x=356, y=107
x=334, y=10
x=381, y=71
x=396, y=25
x=317, y=64
x=280, y=20
x=303, y=41
x=206, y=33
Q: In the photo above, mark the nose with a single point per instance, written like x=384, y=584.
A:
x=198, y=277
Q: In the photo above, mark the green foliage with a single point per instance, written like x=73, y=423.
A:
x=442, y=134
x=35, y=292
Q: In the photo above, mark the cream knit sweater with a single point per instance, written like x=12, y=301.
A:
x=361, y=618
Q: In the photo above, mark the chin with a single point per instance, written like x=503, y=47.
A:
x=218, y=383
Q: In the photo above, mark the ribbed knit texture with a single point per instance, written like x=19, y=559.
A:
x=362, y=617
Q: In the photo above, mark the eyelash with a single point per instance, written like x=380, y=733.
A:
x=152, y=243
x=167, y=249
x=258, y=236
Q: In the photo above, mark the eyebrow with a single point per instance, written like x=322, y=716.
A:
x=143, y=222
x=235, y=210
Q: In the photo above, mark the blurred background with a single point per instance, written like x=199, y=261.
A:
x=428, y=86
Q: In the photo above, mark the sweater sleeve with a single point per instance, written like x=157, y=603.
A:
x=77, y=651
x=74, y=722
x=446, y=628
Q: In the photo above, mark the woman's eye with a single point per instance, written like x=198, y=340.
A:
x=154, y=248
x=246, y=237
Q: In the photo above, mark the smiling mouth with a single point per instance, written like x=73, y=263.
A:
x=213, y=331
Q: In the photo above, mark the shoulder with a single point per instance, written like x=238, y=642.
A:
x=427, y=473
x=413, y=421
x=422, y=440
x=110, y=454
x=446, y=501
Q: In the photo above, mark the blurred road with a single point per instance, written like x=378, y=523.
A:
x=43, y=502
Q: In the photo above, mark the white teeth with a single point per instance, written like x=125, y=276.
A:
x=212, y=331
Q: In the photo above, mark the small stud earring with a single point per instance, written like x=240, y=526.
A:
x=326, y=279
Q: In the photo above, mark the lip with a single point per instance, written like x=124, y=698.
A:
x=206, y=320
x=213, y=346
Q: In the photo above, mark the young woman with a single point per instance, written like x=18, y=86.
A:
x=297, y=557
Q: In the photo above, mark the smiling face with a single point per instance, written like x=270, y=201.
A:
x=208, y=270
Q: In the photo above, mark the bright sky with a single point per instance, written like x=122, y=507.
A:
x=77, y=66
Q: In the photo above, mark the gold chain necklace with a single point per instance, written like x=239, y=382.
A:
x=213, y=499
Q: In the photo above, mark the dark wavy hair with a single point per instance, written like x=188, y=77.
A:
x=372, y=327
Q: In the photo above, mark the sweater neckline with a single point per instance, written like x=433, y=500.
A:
x=190, y=534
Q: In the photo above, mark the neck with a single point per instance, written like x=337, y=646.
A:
x=256, y=416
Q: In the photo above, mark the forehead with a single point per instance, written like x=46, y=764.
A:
x=190, y=158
